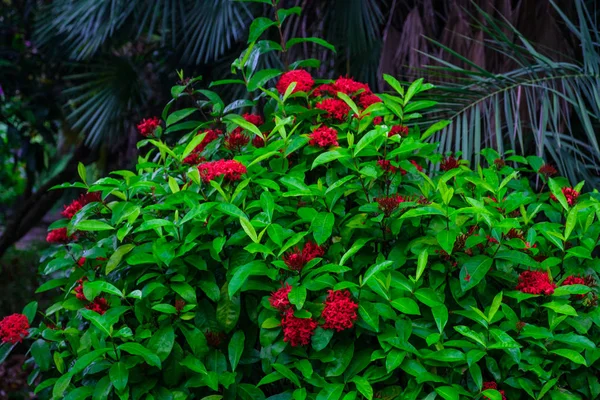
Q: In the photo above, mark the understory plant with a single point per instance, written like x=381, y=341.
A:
x=304, y=250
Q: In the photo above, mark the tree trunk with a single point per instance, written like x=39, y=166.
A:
x=33, y=208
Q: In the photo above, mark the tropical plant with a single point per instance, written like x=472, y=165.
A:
x=303, y=252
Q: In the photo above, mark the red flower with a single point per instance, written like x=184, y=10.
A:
x=547, y=170
x=340, y=311
x=468, y=278
x=499, y=163
x=194, y=159
x=387, y=166
x=59, y=236
x=494, y=386
x=520, y=325
x=366, y=99
x=79, y=203
x=304, y=82
x=148, y=126
x=294, y=260
x=326, y=88
x=323, y=137
x=398, y=130
x=179, y=304
x=390, y=203
x=297, y=331
x=311, y=251
x=258, y=142
x=13, y=328
x=377, y=120
x=279, y=299
x=231, y=170
x=99, y=305
x=236, y=140
x=417, y=166
x=79, y=289
x=349, y=86
x=535, y=282
x=573, y=280
x=213, y=338
x=254, y=119
x=335, y=108
x=491, y=239
x=449, y=163
x=570, y=194
x=81, y=261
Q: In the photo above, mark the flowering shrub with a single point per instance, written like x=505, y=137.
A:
x=330, y=259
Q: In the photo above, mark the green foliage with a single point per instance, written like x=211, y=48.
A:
x=174, y=297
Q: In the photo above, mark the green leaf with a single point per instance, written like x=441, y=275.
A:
x=375, y=269
x=321, y=338
x=495, y=306
x=165, y=308
x=249, y=229
x=82, y=172
x=570, y=355
x=287, y=373
x=349, y=101
x=194, y=364
x=241, y=274
x=92, y=289
x=421, y=264
x=367, y=139
x=474, y=270
x=40, y=350
x=557, y=192
x=394, y=359
x=436, y=127
x=369, y=314
x=571, y=289
x=363, y=386
x=228, y=310
x=119, y=374
x=322, y=227
x=329, y=156
x=236, y=348
x=29, y=311
x=138, y=350
x=240, y=121
x=93, y=225
x=179, y=115
x=331, y=392
x=393, y=82
x=447, y=392
x=84, y=361
x=318, y=41
x=446, y=239
x=440, y=315
x=162, y=341
x=356, y=246
x=61, y=384
x=258, y=26
x=561, y=308
x=186, y=291
x=261, y=77
x=117, y=256
x=297, y=296
x=406, y=306
x=102, y=388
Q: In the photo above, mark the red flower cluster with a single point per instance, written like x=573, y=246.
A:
x=79, y=289
x=334, y=108
x=494, y=386
x=13, y=328
x=387, y=166
x=547, y=170
x=417, y=166
x=81, y=261
x=210, y=136
x=340, y=310
x=366, y=99
x=296, y=259
x=214, y=338
x=297, y=331
x=535, y=282
x=449, y=163
x=253, y=119
x=390, y=203
x=304, y=82
x=323, y=137
x=401, y=130
x=573, y=280
x=349, y=86
x=148, y=126
x=59, y=236
x=570, y=194
x=279, y=299
x=79, y=203
x=232, y=170
x=99, y=305
x=499, y=163
x=258, y=142
x=179, y=304
x=236, y=140
x=377, y=121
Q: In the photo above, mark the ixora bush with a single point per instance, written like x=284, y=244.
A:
x=308, y=250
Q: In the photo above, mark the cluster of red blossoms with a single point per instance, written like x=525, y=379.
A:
x=547, y=170
x=334, y=108
x=535, y=282
x=99, y=305
x=323, y=137
x=449, y=163
x=148, y=126
x=59, y=236
x=570, y=194
x=13, y=328
x=79, y=203
x=401, y=130
x=339, y=314
x=230, y=169
x=296, y=259
x=304, y=82
x=389, y=203
x=494, y=386
x=210, y=136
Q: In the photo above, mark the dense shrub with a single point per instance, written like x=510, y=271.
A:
x=310, y=250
